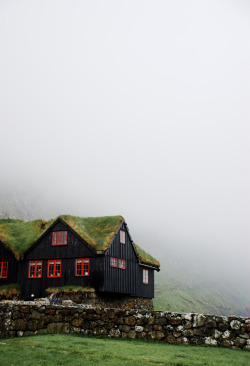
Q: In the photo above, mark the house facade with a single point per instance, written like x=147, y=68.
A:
x=96, y=253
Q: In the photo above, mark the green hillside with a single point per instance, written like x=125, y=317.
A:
x=181, y=296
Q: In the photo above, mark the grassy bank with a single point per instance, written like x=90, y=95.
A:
x=73, y=350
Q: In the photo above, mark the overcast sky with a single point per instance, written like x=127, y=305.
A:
x=138, y=108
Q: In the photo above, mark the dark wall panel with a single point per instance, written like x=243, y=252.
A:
x=145, y=290
x=76, y=247
x=7, y=256
x=123, y=251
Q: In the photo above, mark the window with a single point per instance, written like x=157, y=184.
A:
x=113, y=262
x=122, y=237
x=145, y=276
x=3, y=269
x=54, y=268
x=122, y=264
x=82, y=267
x=35, y=269
x=59, y=238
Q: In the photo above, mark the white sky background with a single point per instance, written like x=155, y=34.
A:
x=138, y=108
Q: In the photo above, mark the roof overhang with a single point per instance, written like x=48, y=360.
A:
x=150, y=266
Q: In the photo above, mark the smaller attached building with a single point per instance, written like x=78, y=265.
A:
x=89, y=252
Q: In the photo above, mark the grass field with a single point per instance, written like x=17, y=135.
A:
x=74, y=350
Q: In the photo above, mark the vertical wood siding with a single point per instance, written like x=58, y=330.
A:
x=7, y=256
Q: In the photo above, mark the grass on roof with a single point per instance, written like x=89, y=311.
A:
x=8, y=291
x=145, y=257
x=20, y=235
x=97, y=231
x=69, y=289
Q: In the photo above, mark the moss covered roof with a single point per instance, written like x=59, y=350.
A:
x=145, y=257
x=97, y=231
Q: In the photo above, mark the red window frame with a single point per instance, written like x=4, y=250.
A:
x=122, y=263
x=82, y=266
x=35, y=269
x=122, y=237
x=59, y=238
x=145, y=276
x=113, y=262
x=54, y=269
x=4, y=269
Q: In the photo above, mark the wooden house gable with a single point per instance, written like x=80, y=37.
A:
x=59, y=241
x=122, y=246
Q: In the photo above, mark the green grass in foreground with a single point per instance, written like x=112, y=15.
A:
x=74, y=350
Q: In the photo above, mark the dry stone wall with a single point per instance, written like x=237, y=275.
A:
x=20, y=319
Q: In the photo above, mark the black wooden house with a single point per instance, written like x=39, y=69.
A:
x=95, y=253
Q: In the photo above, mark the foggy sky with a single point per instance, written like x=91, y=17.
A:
x=138, y=108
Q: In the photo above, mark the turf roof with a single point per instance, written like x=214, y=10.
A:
x=97, y=231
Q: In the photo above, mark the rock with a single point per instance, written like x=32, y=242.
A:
x=235, y=324
x=157, y=327
x=245, y=327
x=223, y=326
x=210, y=341
x=119, y=321
x=32, y=324
x=35, y=315
x=176, y=334
x=210, y=324
x=130, y=320
x=239, y=342
x=151, y=335
x=111, y=313
x=148, y=328
x=182, y=340
x=58, y=328
x=141, y=335
x=187, y=316
x=226, y=343
x=24, y=309
x=138, y=328
x=77, y=322
x=124, y=328
x=197, y=340
x=188, y=332
x=151, y=320
x=171, y=339
x=131, y=334
x=160, y=321
x=187, y=325
x=179, y=328
x=202, y=331
x=244, y=335
x=159, y=335
x=175, y=321
x=199, y=320
x=115, y=333
x=217, y=334
x=226, y=334
x=67, y=303
x=19, y=324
